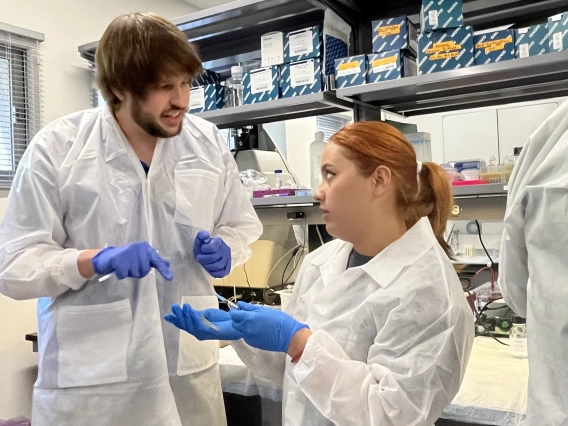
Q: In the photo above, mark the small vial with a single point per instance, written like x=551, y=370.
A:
x=518, y=338
x=278, y=178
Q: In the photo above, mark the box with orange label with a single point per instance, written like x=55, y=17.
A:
x=394, y=34
x=494, y=46
x=445, y=50
x=390, y=66
x=350, y=71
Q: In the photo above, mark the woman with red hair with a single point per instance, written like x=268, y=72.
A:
x=378, y=330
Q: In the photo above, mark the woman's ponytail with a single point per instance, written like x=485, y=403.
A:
x=435, y=200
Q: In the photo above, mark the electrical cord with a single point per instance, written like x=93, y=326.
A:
x=294, y=249
x=483, y=245
x=246, y=274
x=480, y=322
x=240, y=147
x=296, y=262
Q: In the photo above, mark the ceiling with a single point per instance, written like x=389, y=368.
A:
x=205, y=4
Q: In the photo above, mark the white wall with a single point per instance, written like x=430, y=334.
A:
x=299, y=135
x=66, y=82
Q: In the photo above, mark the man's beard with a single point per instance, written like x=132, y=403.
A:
x=149, y=124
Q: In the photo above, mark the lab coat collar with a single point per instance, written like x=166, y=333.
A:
x=405, y=251
x=384, y=267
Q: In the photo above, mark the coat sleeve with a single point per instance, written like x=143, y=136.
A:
x=237, y=224
x=513, y=263
x=413, y=369
x=33, y=262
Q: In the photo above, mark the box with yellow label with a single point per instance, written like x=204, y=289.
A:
x=390, y=66
x=496, y=46
x=350, y=71
x=394, y=34
x=445, y=50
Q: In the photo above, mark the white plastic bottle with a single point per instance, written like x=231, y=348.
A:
x=316, y=148
x=518, y=338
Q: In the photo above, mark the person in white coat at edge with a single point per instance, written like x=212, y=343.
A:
x=378, y=328
x=533, y=269
x=82, y=206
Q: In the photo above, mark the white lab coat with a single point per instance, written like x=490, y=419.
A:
x=391, y=338
x=106, y=357
x=534, y=264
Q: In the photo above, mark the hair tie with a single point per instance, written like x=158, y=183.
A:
x=419, y=167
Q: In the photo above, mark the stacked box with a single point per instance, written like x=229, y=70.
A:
x=261, y=85
x=390, y=66
x=206, y=78
x=301, y=78
x=494, y=47
x=445, y=50
x=558, y=32
x=309, y=43
x=441, y=15
x=531, y=41
x=394, y=34
x=206, y=98
x=350, y=71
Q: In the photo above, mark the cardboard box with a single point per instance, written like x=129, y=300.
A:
x=350, y=71
x=558, y=33
x=206, y=78
x=445, y=50
x=394, y=34
x=441, y=14
x=272, y=49
x=261, y=85
x=531, y=41
x=206, y=98
x=301, y=78
x=390, y=66
x=494, y=47
x=309, y=43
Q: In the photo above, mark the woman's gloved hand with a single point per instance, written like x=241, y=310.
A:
x=213, y=254
x=134, y=260
x=265, y=328
x=216, y=326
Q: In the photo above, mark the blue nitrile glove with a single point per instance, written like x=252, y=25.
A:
x=134, y=260
x=213, y=254
x=191, y=321
x=265, y=328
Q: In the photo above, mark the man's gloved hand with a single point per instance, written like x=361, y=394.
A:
x=265, y=328
x=134, y=260
x=213, y=254
x=219, y=328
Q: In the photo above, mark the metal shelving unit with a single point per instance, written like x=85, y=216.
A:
x=281, y=109
x=518, y=80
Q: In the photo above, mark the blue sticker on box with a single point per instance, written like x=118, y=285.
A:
x=494, y=47
x=206, y=78
x=206, y=98
x=558, y=33
x=301, y=78
x=445, y=50
x=350, y=71
x=394, y=34
x=390, y=66
x=441, y=14
x=261, y=85
x=531, y=41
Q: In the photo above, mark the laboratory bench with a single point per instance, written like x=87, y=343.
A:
x=493, y=392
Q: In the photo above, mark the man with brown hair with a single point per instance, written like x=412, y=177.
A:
x=148, y=198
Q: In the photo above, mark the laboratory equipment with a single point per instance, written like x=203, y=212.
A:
x=278, y=179
x=230, y=304
x=422, y=144
x=518, y=338
x=234, y=86
x=316, y=149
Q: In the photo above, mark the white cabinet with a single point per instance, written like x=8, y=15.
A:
x=471, y=135
x=517, y=124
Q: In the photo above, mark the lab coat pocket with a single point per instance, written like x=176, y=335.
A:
x=196, y=191
x=195, y=356
x=93, y=342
